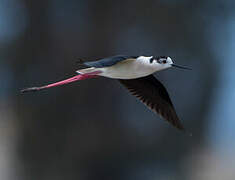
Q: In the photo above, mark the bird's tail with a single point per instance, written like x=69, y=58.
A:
x=66, y=81
x=86, y=70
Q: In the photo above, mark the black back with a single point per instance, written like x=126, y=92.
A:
x=109, y=61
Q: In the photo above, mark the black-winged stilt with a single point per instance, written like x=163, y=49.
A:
x=135, y=73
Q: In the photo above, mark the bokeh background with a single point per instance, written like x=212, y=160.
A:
x=94, y=129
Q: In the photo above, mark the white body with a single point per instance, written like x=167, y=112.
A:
x=130, y=68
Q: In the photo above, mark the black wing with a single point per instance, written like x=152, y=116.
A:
x=108, y=61
x=154, y=95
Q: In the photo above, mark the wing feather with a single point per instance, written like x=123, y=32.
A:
x=154, y=95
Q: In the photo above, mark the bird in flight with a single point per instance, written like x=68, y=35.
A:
x=136, y=74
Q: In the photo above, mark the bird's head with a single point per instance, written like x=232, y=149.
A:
x=164, y=62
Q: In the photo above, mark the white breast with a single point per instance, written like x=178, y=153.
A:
x=129, y=69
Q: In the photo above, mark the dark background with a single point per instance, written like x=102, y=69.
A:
x=94, y=129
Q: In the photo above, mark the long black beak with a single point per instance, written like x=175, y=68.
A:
x=181, y=67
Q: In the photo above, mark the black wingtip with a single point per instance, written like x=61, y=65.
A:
x=32, y=89
x=182, y=129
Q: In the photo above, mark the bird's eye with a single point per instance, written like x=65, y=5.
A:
x=164, y=61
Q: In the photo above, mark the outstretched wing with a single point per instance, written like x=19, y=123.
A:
x=154, y=95
x=108, y=61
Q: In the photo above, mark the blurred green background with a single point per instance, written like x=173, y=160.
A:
x=94, y=129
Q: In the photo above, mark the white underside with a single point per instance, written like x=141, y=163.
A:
x=128, y=69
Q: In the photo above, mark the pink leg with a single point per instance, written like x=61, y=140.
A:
x=72, y=79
